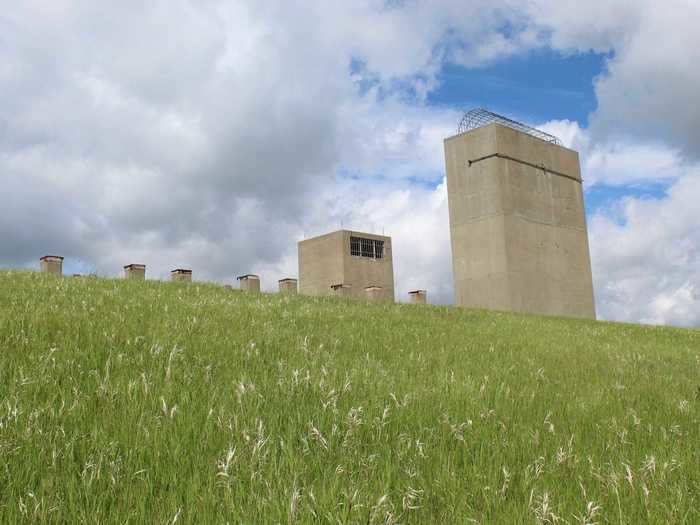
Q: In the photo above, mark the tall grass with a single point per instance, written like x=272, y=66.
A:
x=147, y=402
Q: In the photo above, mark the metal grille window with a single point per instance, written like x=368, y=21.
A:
x=355, y=246
x=370, y=248
x=378, y=249
x=367, y=248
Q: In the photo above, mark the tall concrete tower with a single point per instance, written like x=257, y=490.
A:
x=517, y=219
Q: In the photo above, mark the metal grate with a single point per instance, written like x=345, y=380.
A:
x=378, y=249
x=363, y=247
x=355, y=246
x=477, y=118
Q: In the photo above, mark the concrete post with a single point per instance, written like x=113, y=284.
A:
x=250, y=283
x=181, y=275
x=135, y=271
x=288, y=285
x=52, y=264
x=418, y=296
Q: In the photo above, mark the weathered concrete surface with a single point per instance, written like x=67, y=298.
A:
x=326, y=261
x=517, y=224
x=135, y=271
x=250, y=283
x=51, y=264
x=288, y=285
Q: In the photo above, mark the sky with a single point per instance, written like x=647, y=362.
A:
x=216, y=134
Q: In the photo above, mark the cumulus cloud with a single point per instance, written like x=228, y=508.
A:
x=217, y=134
x=181, y=133
x=647, y=257
x=649, y=90
x=620, y=162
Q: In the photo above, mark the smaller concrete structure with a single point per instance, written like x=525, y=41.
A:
x=181, y=275
x=374, y=294
x=346, y=257
x=135, y=271
x=250, y=283
x=288, y=285
x=418, y=296
x=52, y=264
x=341, y=290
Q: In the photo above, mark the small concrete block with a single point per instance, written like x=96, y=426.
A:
x=250, y=283
x=135, y=271
x=181, y=275
x=288, y=285
x=52, y=264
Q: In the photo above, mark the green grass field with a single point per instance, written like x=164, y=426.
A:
x=148, y=402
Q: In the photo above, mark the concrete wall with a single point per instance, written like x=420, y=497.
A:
x=326, y=261
x=518, y=232
x=321, y=263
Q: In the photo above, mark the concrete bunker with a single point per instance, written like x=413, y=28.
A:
x=349, y=259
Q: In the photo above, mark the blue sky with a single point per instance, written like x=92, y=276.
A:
x=537, y=86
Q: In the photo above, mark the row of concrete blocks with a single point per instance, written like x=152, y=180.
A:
x=374, y=293
x=248, y=283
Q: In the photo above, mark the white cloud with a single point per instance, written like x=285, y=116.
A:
x=211, y=134
x=619, y=162
x=646, y=259
x=649, y=91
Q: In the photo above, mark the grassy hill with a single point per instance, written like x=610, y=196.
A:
x=148, y=402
